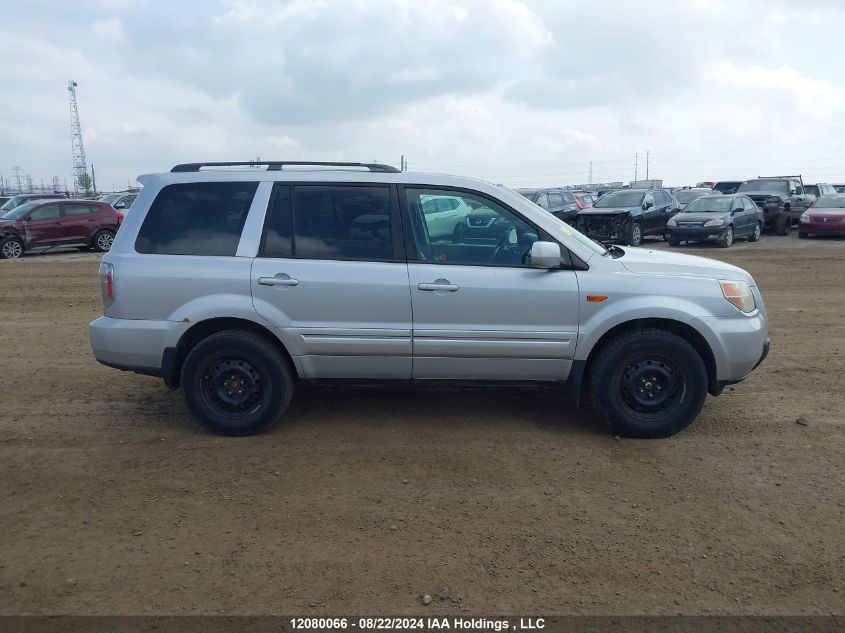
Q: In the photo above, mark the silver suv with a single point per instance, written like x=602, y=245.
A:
x=235, y=281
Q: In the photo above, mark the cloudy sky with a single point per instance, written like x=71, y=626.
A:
x=520, y=92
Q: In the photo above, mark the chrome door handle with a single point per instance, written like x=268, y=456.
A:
x=277, y=281
x=433, y=287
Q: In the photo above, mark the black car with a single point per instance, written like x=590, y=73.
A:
x=716, y=218
x=628, y=215
x=558, y=202
x=782, y=199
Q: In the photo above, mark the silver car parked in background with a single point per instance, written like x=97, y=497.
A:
x=235, y=284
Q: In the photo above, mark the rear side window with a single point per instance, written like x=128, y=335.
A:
x=330, y=222
x=78, y=209
x=201, y=218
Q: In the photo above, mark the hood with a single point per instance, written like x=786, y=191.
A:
x=652, y=262
x=825, y=213
x=703, y=216
x=606, y=210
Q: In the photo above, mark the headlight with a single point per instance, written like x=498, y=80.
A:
x=805, y=217
x=671, y=222
x=715, y=222
x=739, y=294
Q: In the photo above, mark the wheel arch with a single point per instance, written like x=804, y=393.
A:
x=684, y=330
x=174, y=357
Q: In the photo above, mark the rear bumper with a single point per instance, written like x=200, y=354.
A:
x=133, y=345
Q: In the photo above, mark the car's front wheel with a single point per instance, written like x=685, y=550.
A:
x=236, y=383
x=758, y=231
x=727, y=237
x=648, y=383
x=11, y=248
x=633, y=233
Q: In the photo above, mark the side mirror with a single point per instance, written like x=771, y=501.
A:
x=792, y=192
x=545, y=255
x=737, y=210
x=120, y=205
x=647, y=205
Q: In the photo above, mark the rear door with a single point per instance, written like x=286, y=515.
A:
x=331, y=275
x=79, y=219
x=44, y=226
x=480, y=311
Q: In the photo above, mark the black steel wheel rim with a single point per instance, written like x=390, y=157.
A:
x=651, y=385
x=232, y=386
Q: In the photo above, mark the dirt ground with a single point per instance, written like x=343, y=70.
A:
x=113, y=501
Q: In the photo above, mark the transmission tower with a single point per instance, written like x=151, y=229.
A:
x=17, y=169
x=80, y=169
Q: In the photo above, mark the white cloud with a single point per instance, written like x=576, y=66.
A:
x=111, y=28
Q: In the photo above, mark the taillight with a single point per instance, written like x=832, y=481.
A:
x=107, y=284
x=119, y=217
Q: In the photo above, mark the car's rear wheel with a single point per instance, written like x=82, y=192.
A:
x=674, y=242
x=633, y=233
x=758, y=231
x=648, y=383
x=103, y=240
x=236, y=383
x=11, y=248
x=727, y=237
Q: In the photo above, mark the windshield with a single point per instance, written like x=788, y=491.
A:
x=18, y=211
x=11, y=203
x=830, y=202
x=770, y=186
x=709, y=204
x=688, y=195
x=111, y=198
x=619, y=199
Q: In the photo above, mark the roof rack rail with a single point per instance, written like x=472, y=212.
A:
x=278, y=165
x=776, y=177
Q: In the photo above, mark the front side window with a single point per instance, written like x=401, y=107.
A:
x=47, y=212
x=488, y=235
x=543, y=201
x=648, y=199
x=198, y=218
x=555, y=200
x=330, y=222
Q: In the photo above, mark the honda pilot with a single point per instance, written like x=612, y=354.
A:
x=235, y=284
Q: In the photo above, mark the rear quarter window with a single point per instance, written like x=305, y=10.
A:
x=203, y=218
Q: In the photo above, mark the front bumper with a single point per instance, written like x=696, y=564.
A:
x=696, y=233
x=739, y=344
x=822, y=228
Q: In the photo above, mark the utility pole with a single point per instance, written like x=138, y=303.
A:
x=77, y=150
x=29, y=184
x=18, y=171
x=93, y=180
x=636, y=159
x=590, y=179
x=646, y=164
x=402, y=162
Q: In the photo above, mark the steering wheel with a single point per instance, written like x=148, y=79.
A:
x=504, y=246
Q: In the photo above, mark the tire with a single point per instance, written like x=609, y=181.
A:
x=674, y=242
x=803, y=235
x=633, y=233
x=728, y=238
x=11, y=248
x=102, y=240
x=783, y=224
x=236, y=383
x=758, y=231
x=641, y=357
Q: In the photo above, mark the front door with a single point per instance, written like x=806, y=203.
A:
x=44, y=226
x=331, y=276
x=481, y=312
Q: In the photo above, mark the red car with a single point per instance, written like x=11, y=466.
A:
x=50, y=223
x=584, y=199
x=825, y=217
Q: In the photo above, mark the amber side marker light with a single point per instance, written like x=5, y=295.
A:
x=596, y=298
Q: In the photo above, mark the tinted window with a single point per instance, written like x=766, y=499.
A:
x=278, y=231
x=332, y=222
x=769, y=186
x=555, y=200
x=543, y=200
x=49, y=212
x=568, y=198
x=196, y=219
x=749, y=204
x=78, y=209
x=488, y=235
x=813, y=189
